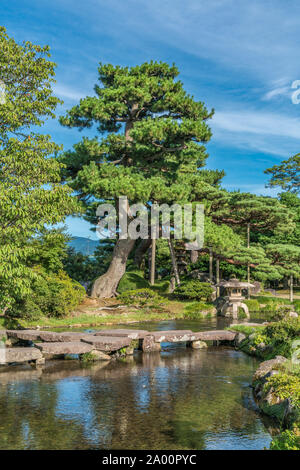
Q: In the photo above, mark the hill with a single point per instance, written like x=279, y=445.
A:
x=84, y=245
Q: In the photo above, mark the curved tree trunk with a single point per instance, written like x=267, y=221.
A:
x=106, y=285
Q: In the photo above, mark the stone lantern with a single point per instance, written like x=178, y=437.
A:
x=228, y=305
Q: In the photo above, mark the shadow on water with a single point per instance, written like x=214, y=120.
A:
x=176, y=399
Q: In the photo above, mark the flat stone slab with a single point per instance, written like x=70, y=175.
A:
x=217, y=335
x=133, y=334
x=68, y=336
x=172, y=336
x=108, y=343
x=67, y=347
x=25, y=335
x=19, y=355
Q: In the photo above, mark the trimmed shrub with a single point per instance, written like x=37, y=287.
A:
x=141, y=298
x=194, y=290
x=132, y=280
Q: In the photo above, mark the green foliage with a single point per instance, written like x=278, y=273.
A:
x=53, y=295
x=194, y=290
x=286, y=174
x=247, y=330
x=80, y=267
x=31, y=196
x=287, y=440
x=141, y=298
x=252, y=304
x=285, y=386
x=278, y=336
x=196, y=310
x=132, y=280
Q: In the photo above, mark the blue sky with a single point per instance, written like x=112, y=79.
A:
x=238, y=56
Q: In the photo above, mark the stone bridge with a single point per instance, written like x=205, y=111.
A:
x=34, y=346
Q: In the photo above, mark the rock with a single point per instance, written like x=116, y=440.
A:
x=256, y=289
x=19, y=355
x=61, y=348
x=133, y=334
x=108, y=343
x=98, y=356
x=293, y=314
x=173, y=336
x=218, y=335
x=149, y=344
x=239, y=338
x=198, y=344
x=267, y=366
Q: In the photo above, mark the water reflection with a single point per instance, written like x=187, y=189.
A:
x=177, y=399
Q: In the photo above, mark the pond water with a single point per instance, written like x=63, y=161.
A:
x=177, y=399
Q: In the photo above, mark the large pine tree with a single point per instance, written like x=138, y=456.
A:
x=152, y=144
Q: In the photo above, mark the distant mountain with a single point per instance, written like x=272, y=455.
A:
x=84, y=245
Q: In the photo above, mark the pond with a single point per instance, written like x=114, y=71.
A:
x=177, y=399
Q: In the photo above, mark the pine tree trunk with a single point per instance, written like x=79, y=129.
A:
x=218, y=275
x=291, y=289
x=140, y=252
x=194, y=256
x=174, y=262
x=106, y=285
x=210, y=265
x=152, y=268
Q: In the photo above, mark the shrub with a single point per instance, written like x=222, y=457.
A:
x=285, y=386
x=53, y=295
x=297, y=305
x=132, y=280
x=194, y=290
x=141, y=298
x=253, y=305
x=287, y=440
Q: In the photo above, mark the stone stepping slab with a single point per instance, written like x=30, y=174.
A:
x=55, y=337
x=25, y=335
x=19, y=355
x=108, y=343
x=172, y=336
x=133, y=334
x=48, y=336
x=67, y=347
x=218, y=335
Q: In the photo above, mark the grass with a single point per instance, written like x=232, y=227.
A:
x=247, y=330
x=174, y=310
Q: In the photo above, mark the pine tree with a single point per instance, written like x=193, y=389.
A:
x=286, y=175
x=153, y=142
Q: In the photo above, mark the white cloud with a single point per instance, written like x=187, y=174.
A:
x=272, y=133
x=255, y=122
x=65, y=92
